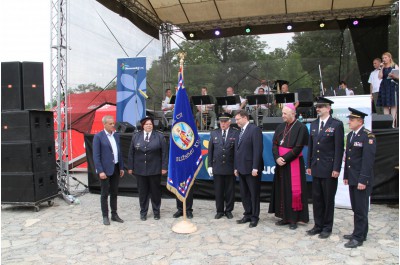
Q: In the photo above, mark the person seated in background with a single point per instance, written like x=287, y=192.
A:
x=284, y=90
x=167, y=108
x=232, y=109
x=264, y=86
x=207, y=110
x=343, y=87
x=260, y=108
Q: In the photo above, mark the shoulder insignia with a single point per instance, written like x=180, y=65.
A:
x=369, y=133
x=234, y=128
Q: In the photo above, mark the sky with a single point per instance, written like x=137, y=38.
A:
x=92, y=49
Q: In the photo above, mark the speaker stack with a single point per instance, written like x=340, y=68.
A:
x=28, y=172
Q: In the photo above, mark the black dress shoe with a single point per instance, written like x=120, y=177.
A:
x=178, y=214
x=156, y=216
x=348, y=237
x=253, y=224
x=143, y=217
x=229, y=215
x=243, y=220
x=106, y=221
x=219, y=215
x=116, y=218
x=314, y=231
x=324, y=234
x=189, y=215
x=353, y=244
x=293, y=226
x=281, y=222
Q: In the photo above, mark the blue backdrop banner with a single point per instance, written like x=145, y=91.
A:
x=269, y=163
x=131, y=89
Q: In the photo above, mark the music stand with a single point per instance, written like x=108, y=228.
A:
x=286, y=98
x=228, y=100
x=200, y=101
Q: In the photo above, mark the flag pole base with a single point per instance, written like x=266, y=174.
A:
x=184, y=227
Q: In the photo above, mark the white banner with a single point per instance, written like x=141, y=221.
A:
x=341, y=111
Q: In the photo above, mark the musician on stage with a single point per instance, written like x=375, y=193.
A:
x=207, y=109
x=232, y=109
x=284, y=90
x=165, y=106
x=264, y=86
x=260, y=108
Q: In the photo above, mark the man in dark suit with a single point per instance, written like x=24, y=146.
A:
x=221, y=149
x=358, y=174
x=107, y=157
x=325, y=154
x=248, y=166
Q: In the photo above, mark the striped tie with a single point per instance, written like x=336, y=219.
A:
x=240, y=135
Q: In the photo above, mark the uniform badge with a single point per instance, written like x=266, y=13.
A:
x=330, y=129
x=370, y=141
x=359, y=144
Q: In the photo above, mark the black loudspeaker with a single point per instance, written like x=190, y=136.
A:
x=28, y=187
x=384, y=121
x=305, y=97
x=25, y=156
x=270, y=123
x=32, y=86
x=11, y=86
x=124, y=127
x=27, y=126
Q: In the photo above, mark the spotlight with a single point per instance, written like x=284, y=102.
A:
x=217, y=32
x=191, y=35
x=322, y=24
x=247, y=29
x=289, y=27
x=355, y=22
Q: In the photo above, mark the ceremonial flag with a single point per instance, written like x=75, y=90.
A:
x=185, y=158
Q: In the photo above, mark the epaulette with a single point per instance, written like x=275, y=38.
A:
x=336, y=119
x=369, y=133
x=234, y=128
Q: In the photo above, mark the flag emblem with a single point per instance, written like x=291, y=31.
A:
x=182, y=135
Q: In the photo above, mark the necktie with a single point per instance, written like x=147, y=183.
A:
x=240, y=135
x=147, y=137
x=223, y=136
x=351, y=137
x=322, y=126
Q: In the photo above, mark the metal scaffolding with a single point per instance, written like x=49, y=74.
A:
x=166, y=31
x=58, y=44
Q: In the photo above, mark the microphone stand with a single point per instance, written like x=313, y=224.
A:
x=320, y=76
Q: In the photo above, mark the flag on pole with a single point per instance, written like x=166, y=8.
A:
x=185, y=158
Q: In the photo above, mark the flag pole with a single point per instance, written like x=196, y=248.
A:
x=184, y=226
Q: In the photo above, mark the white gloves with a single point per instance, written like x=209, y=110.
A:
x=210, y=171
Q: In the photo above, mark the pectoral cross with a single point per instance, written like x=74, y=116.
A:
x=281, y=142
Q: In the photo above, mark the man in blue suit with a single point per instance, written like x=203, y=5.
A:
x=359, y=174
x=107, y=157
x=325, y=155
x=248, y=166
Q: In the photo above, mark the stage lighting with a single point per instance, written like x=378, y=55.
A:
x=355, y=22
x=247, y=29
x=289, y=27
x=217, y=32
x=191, y=35
x=322, y=24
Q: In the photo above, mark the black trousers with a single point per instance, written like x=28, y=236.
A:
x=109, y=186
x=189, y=202
x=323, y=195
x=359, y=200
x=149, y=187
x=250, y=193
x=224, y=186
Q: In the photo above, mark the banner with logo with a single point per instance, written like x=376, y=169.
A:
x=185, y=159
x=131, y=89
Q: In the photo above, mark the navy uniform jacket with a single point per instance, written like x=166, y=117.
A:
x=248, y=155
x=360, y=158
x=325, y=149
x=220, y=155
x=148, y=158
x=103, y=156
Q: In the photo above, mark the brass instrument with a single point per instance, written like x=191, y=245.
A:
x=278, y=91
